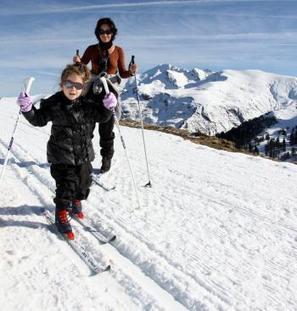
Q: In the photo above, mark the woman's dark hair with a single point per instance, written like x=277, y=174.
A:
x=108, y=21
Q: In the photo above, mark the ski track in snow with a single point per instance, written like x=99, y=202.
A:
x=217, y=231
x=22, y=155
x=121, y=275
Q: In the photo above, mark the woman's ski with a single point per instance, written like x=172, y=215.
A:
x=101, y=237
x=97, y=180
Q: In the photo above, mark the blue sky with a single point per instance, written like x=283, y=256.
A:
x=39, y=37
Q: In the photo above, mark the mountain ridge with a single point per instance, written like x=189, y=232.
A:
x=204, y=101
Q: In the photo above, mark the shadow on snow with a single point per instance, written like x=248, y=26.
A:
x=23, y=210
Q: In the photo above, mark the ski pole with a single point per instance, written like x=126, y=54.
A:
x=148, y=184
x=27, y=87
x=79, y=64
x=77, y=54
x=104, y=82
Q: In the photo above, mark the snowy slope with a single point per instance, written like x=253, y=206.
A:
x=217, y=231
x=208, y=102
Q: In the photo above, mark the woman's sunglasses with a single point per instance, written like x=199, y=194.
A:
x=70, y=84
x=105, y=32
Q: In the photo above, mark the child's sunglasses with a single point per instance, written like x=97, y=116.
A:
x=70, y=84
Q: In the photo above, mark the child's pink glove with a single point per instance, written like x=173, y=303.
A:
x=110, y=101
x=25, y=102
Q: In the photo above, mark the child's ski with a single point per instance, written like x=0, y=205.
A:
x=77, y=248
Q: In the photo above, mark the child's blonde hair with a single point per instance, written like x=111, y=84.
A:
x=78, y=69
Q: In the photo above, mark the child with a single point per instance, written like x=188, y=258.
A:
x=69, y=149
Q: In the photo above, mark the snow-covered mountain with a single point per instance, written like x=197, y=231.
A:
x=205, y=101
x=217, y=230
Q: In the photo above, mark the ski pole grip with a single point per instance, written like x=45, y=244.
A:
x=28, y=84
x=78, y=62
x=104, y=82
x=132, y=62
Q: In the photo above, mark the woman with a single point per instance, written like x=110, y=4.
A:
x=109, y=58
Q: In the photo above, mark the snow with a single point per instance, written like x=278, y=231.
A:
x=205, y=101
x=217, y=231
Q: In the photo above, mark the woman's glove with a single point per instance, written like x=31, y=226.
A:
x=110, y=101
x=76, y=59
x=25, y=102
x=133, y=69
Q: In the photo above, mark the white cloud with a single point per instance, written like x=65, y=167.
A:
x=63, y=8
